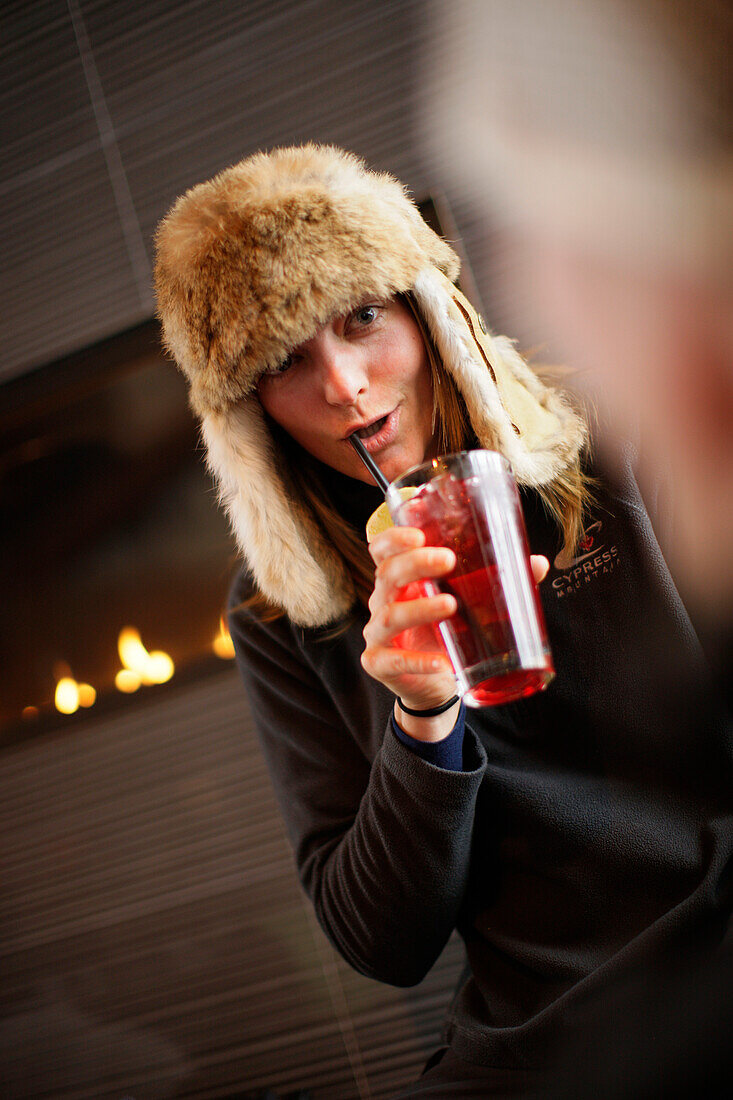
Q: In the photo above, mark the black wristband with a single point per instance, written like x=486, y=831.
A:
x=431, y=712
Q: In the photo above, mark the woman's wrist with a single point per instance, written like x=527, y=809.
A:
x=435, y=727
x=427, y=712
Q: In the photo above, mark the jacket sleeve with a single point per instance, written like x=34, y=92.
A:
x=382, y=844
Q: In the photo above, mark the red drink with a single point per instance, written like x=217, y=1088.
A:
x=496, y=640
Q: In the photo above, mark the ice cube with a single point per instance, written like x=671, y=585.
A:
x=414, y=508
x=450, y=490
x=447, y=511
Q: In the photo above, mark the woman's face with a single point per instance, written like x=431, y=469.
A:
x=367, y=372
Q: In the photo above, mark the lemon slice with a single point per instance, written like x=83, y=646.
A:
x=381, y=520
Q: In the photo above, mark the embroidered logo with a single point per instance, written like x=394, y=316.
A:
x=562, y=561
x=575, y=572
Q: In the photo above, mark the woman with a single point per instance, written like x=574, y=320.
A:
x=306, y=300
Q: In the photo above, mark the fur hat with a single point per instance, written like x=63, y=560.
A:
x=249, y=265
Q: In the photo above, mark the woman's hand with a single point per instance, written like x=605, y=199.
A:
x=422, y=676
x=415, y=669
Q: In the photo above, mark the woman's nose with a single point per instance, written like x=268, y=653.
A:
x=344, y=375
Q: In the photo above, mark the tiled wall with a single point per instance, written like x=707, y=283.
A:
x=154, y=941
x=109, y=110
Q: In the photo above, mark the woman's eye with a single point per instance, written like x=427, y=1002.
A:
x=365, y=315
x=281, y=368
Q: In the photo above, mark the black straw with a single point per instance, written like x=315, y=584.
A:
x=369, y=462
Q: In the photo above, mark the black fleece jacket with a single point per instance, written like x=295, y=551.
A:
x=587, y=841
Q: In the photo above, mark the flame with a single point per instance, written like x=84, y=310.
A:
x=127, y=681
x=159, y=668
x=149, y=668
x=87, y=695
x=71, y=695
x=67, y=695
x=222, y=644
x=133, y=653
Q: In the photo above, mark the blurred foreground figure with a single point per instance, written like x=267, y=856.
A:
x=597, y=137
x=595, y=142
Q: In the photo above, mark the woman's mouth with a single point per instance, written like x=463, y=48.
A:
x=371, y=429
x=380, y=432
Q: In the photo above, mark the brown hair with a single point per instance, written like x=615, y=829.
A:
x=565, y=499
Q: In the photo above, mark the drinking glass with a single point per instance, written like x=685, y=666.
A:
x=497, y=639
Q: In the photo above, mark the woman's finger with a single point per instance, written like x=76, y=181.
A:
x=394, y=541
x=387, y=664
x=392, y=618
x=415, y=565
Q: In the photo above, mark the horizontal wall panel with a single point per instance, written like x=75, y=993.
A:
x=154, y=940
x=110, y=111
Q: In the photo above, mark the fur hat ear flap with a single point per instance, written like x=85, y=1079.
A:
x=294, y=566
x=511, y=410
